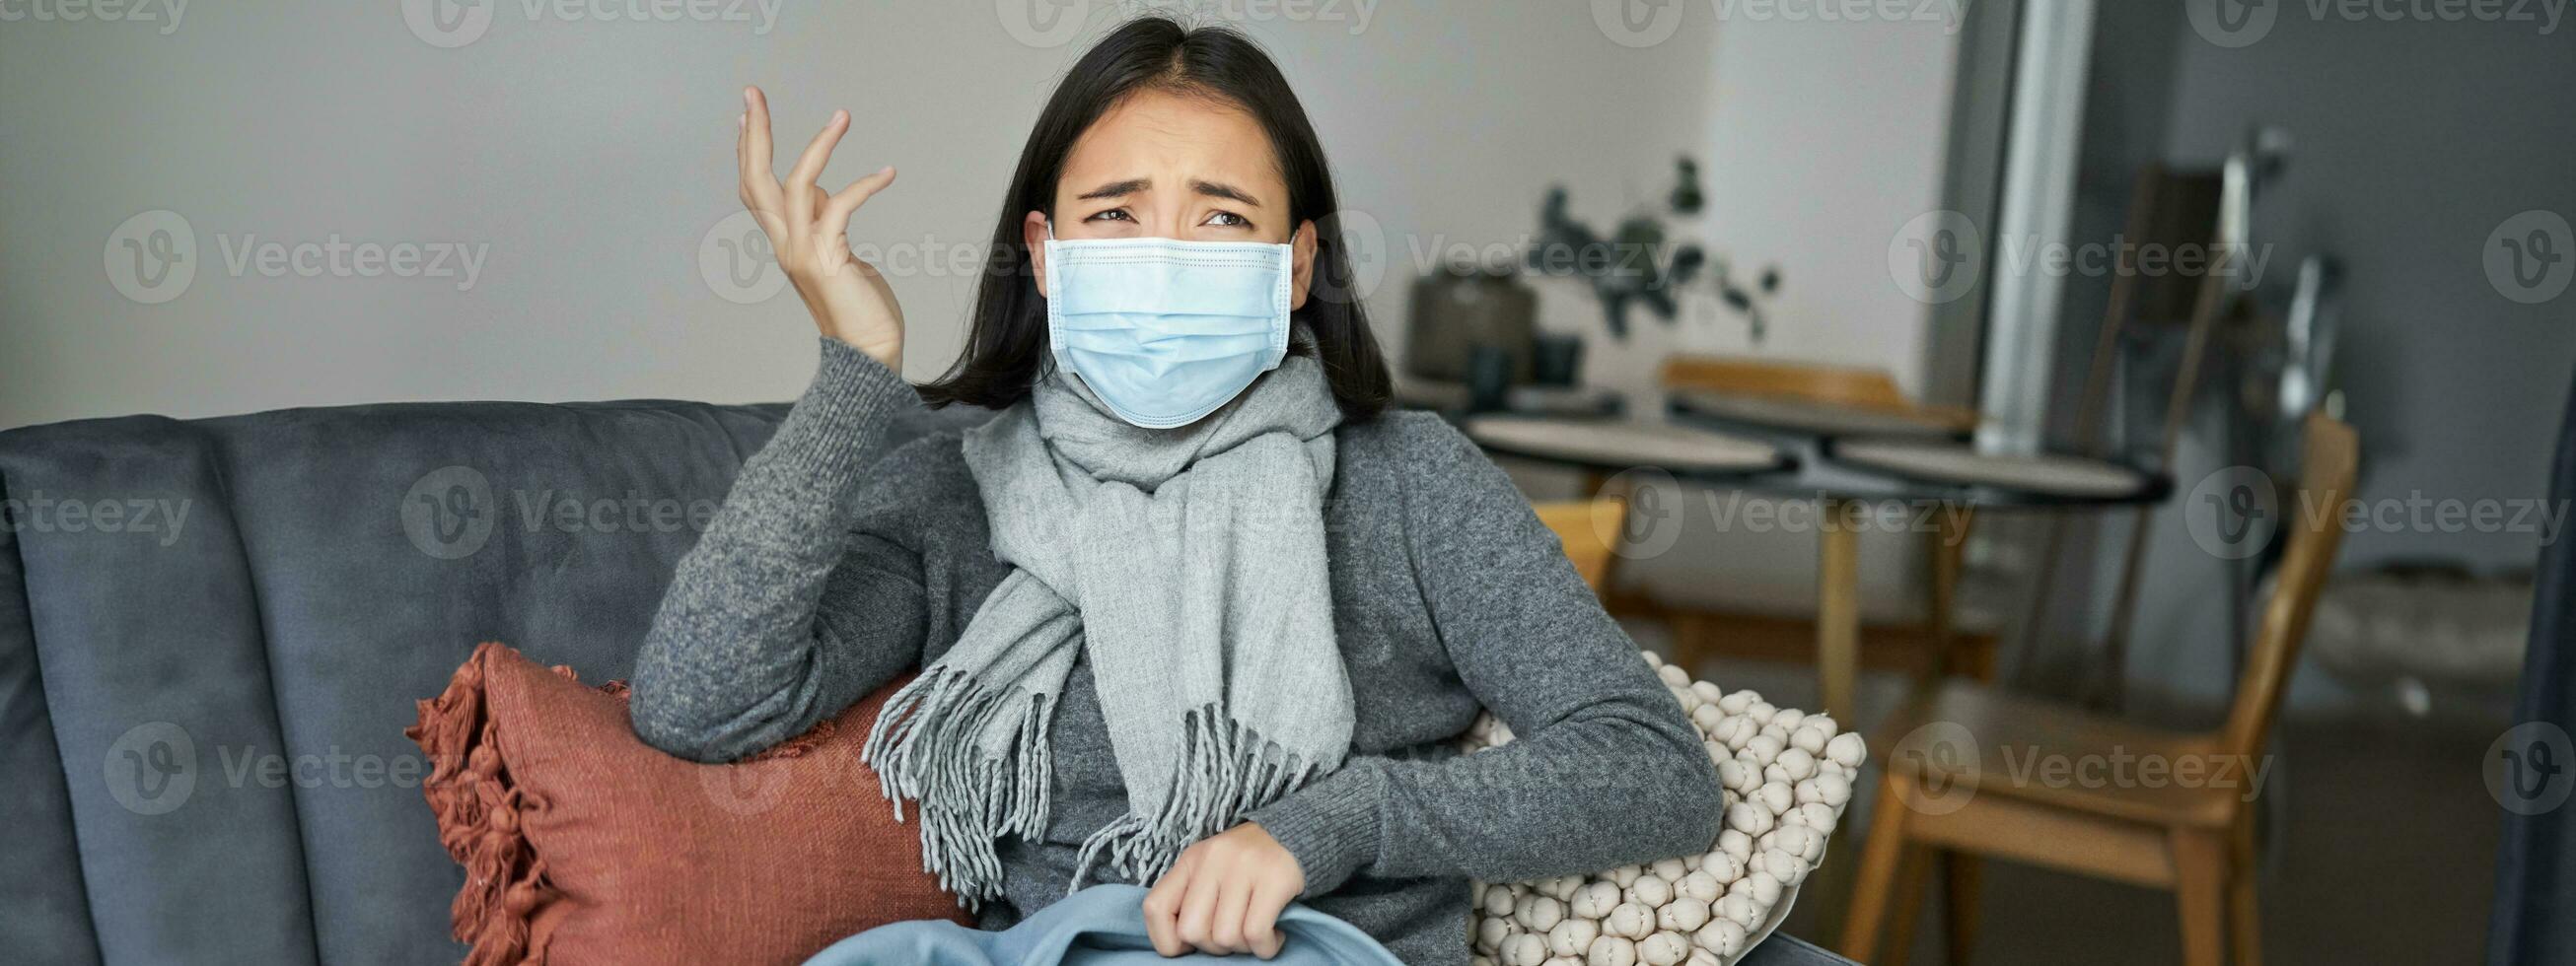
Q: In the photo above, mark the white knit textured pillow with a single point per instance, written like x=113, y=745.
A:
x=1788, y=776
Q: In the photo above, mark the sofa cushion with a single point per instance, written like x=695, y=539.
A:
x=584, y=845
x=207, y=667
x=44, y=915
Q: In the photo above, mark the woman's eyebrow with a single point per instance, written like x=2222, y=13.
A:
x=1229, y=192
x=1117, y=189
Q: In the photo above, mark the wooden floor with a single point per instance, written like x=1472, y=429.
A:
x=2387, y=854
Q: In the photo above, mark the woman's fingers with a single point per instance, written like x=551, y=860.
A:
x=809, y=165
x=796, y=212
x=742, y=156
x=759, y=182
x=1219, y=900
x=1233, y=902
x=840, y=208
x=1198, y=909
x=1261, y=918
x=808, y=230
x=1163, y=908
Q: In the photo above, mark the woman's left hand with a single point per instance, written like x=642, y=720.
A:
x=1223, y=895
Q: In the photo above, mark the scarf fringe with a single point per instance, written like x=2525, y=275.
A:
x=1226, y=769
x=923, y=747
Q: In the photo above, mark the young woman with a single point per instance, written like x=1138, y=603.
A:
x=1192, y=610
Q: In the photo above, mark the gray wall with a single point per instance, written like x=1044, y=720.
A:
x=591, y=162
x=2415, y=141
x=588, y=161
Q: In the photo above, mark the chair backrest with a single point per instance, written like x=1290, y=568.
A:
x=1589, y=529
x=2314, y=521
x=1853, y=386
x=1817, y=382
x=2170, y=211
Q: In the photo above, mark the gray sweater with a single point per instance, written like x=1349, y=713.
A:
x=833, y=567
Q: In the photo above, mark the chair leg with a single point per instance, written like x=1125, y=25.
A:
x=1689, y=641
x=1960, y=873
x=1876, y=878
x=2200, y=895
x=1981, y=659
x=1913, y=872
x=2245, y=912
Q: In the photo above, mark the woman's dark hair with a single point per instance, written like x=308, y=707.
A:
x=1006, y=341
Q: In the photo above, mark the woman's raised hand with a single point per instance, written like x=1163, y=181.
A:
x=809, y=231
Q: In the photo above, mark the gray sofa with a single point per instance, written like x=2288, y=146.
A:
x=212, y=633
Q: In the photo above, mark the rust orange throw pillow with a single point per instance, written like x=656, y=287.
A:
x=581, y=844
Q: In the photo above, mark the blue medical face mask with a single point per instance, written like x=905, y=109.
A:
x=1164, y=331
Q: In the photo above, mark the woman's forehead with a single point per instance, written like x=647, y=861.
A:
x=1169, y=139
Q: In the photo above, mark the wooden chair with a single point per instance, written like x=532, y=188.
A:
x=1854, y=386
x=1950, y=788
x=1589, y=529
x=2174, y=210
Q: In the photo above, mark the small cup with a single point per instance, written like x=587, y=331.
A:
x=1489, y=378
x=1555, y=358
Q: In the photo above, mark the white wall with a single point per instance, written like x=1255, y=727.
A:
x=588, y=160
x=1823, y=139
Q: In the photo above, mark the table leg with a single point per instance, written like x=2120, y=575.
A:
x=1949, y=554
x=1838, y=609
x=1838, y=672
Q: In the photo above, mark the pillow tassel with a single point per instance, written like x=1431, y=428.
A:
x=477, y=806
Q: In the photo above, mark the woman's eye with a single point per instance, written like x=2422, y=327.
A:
x=1228, y=219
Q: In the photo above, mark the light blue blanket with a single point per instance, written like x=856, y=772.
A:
x=1102, y=925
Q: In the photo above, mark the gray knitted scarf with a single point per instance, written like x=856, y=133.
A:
x=1188, y=565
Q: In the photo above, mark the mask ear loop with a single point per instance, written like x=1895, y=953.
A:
x=1053, y=365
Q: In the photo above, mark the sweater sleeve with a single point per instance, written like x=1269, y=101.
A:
x=1604, y=768
x=787, y=611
